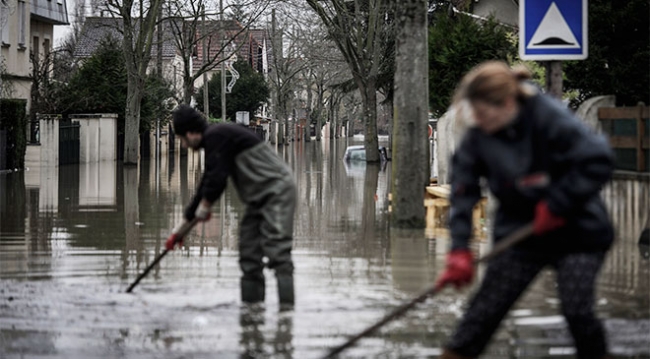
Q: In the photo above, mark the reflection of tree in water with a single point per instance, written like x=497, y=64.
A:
x=131, y=208
x=337, y=202
x=411, y=266
x=370, y=183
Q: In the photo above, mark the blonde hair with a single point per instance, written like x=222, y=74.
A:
x=493, y=82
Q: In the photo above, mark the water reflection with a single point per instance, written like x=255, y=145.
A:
x=73, y=237
x=97, y=185
x=411, y=262
x=261, y=339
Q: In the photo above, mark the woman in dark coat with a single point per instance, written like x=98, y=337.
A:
x=544, y=166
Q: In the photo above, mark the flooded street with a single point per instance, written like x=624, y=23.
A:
x=72, y=238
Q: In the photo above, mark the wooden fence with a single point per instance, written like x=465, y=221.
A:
x=627, y=128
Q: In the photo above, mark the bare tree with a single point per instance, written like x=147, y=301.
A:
x=410, y=150
x=286, y=64
x=138, y=24
x=185, y=18
x=361, y=30
x=326, y=72
x=319, y=64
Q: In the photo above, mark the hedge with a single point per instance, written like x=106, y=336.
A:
x=13, y=120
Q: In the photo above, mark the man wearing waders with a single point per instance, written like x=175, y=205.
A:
x=543, y=166
x=264, y=183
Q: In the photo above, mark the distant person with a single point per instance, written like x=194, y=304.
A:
x=544, y=166
x=264, y=183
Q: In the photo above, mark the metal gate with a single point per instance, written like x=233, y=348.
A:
x=35, y=131
x=68, y=142
x=260, y=131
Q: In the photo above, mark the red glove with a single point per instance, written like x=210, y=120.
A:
x=545, y=220
x=173, y=239
x=459, y=271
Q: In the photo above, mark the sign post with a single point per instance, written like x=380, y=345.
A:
x=551, y=31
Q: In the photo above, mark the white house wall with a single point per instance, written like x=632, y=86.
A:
x=45, y=34
x=505, y=11
x=18, y=34
x=15, y=51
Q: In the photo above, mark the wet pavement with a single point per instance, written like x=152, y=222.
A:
x=73, y=238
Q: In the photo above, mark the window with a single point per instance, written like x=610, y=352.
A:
x=36, y=49
x=5, y=32
x=46, y=47
x=22, y=23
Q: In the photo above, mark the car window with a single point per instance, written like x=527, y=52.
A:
x=358, y=155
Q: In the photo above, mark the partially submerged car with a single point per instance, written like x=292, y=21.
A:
x=358, y=153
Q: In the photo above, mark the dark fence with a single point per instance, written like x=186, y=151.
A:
x=35, y=132
x=68, y=142
x=259, y=130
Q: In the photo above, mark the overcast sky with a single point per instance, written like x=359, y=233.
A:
x=60, y=31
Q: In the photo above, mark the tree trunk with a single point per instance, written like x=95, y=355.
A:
x=337, y=121
x=410, y=148
x=371, y=142
x=308, y=113
x=132, y=120
x=319, y=127
x=369, y=207
x=390, y=125
x=330, y=117
x=188, y=89
x=272, y=132
x=281, y=132
x=351, y=127
x=280, y=117
x=131, y=208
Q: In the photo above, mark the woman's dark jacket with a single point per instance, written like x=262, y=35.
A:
x=546, y=153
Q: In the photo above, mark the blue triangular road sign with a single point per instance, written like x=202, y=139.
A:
x=553, y=29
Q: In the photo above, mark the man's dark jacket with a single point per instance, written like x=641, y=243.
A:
x=261, y=178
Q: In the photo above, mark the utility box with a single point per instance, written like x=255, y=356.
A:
x=98, y=137
x=243, y=117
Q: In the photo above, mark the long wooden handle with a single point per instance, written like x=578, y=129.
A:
x=500, y=247
x=184, y=230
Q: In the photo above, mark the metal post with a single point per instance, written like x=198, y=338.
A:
x=554, y=78
x=157, y=137
x=222, y=201
x=223, y=65
x=158, y=157
x=206, y=102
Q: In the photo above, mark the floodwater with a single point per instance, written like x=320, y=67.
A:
x=73, y=238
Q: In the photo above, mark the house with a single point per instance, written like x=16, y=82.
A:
x=241, y=45
x=26, y=29
x=264, y=50
x=504, y=11
x=97, y=29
